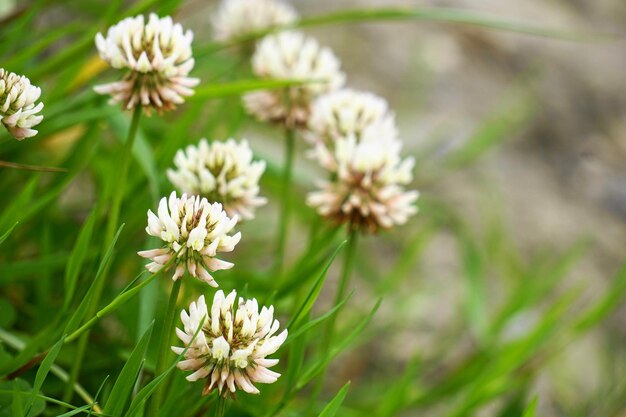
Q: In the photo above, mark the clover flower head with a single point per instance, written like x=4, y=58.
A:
x=193, y=232
x=231, y=346
x=292, y=56
x=157, y=57
x=355, y=140
x=221, y=171
x=238, y=18
x=18, y=107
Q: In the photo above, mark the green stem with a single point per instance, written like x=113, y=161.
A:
x=166, y=337
x=220, y=407
x=285, y=209
x=112, y=226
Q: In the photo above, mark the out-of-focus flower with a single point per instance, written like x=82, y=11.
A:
x=231, y=348
x=193, y=231
x=158, y=58
x=238, y=18
x=222, y=172
x=355, y=140
x=18, y=111
x=292, y=56
x=348, y=112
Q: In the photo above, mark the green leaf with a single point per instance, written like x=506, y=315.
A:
x=76, y=411
x=331, y=409
x=7, y=233
x=531, y=409
x=77, y=258
x=240, y=87
x=310, y=299
x=43, y=371
x=123, y=388
x=80, y=312
x=317, y=366
x=315, y=322
x=149, y=389
x=12, y=394
x=476, y=296
x=612, y=299
x=445, y=15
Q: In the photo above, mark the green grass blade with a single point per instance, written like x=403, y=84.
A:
x=311, y=297
x=148, y=390
x=446, y=15
x=83, y=409
x=612, y=299
x=8, y=232
x=44, y=370
x=80, y=312
x=239, y=87
x=315, y=322
x=123, y=388
x=315, y=368
x=331, y=409
x=77, y=258
x=531, y=410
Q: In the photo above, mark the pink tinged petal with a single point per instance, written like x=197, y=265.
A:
x=190, y=364
x=230, y=381
x=154, y=267
x=199, y=374
x=245, y=384
x=149, y=254
x=180, y=270
x=266, y=363
x=177, y=350
x=215, y=264
x=262, y=375
x=204, y=275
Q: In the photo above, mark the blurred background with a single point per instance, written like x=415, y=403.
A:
x=507, y=284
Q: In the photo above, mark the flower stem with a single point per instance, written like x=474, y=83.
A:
x=166, y=337
x=285, y=209
x=112, y=226
x=220, y=407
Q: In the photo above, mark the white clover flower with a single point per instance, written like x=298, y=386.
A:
x=292, y=56
x=355, y=139
x=231, y=349
x=238, y=18
x=221, y=171
x=367, y=187
x=158, y=57
x=193, y=231
x=18, y=111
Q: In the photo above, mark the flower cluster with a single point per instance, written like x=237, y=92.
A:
x=18, y=110
x=157, y=55
x=355, y=140
x=292, y=56
x=230, y=346
x=193, y=232
x=238, y=18
x=221, y=171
